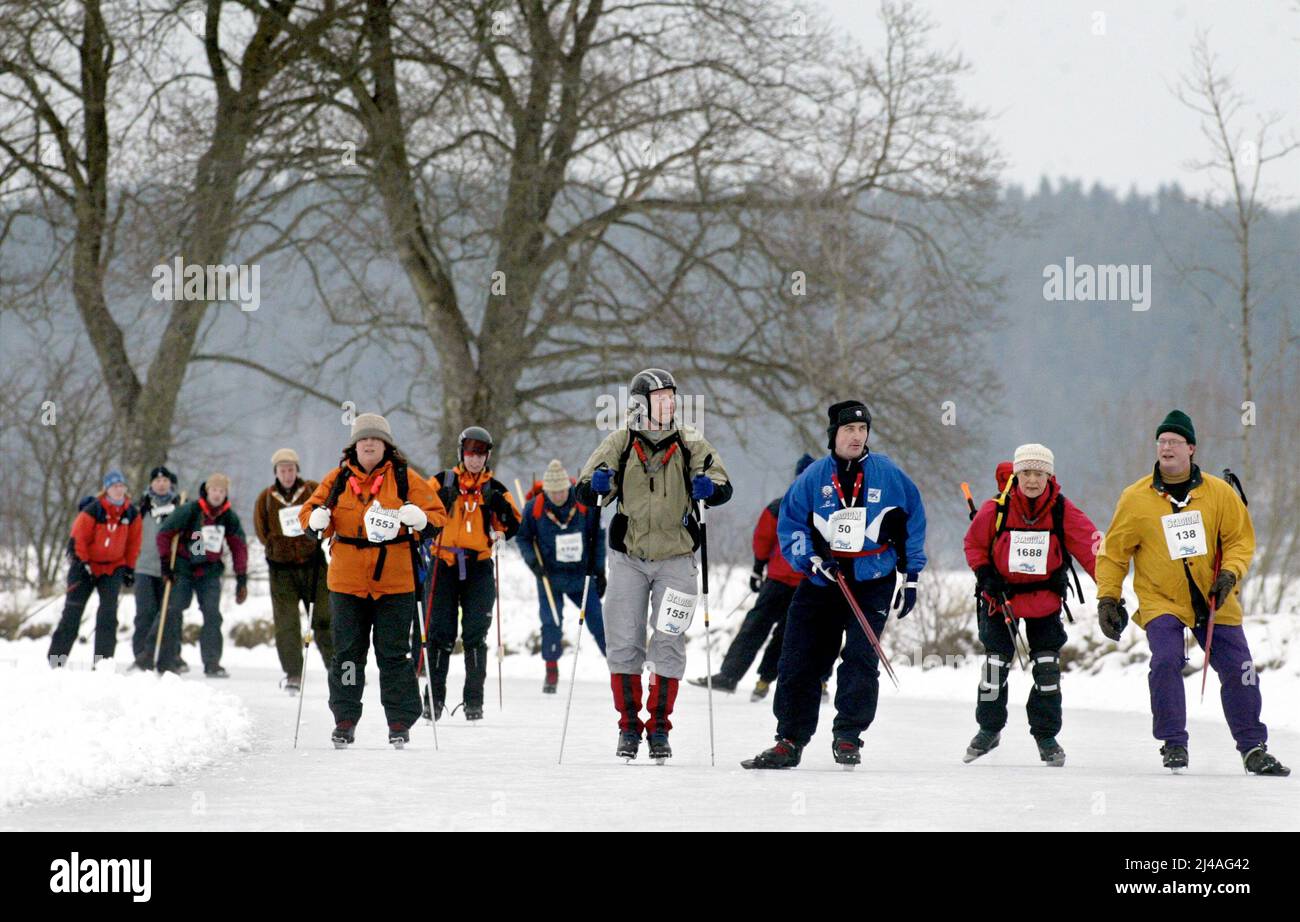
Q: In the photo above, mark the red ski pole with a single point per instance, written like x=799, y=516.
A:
x=866, y=626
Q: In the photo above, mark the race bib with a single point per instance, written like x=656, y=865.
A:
x=848, y=529
x=212, y=538
x=1028, y=553
x=676, y=611
x=381, y=523
x=568, y=548
x=289, y=525
x=1184, y=533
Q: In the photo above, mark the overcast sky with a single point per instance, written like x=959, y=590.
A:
x=1100, y=107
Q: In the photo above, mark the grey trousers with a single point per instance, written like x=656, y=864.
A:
x=636, y=587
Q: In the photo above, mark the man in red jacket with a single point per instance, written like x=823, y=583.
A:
x=105, y=544
x=1019, y=546
x=768, y=614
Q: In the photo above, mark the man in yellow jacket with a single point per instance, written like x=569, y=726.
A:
x=1191, y=541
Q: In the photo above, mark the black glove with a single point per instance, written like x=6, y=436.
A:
x=78, y=572
x=989, y=581
x=241, y=588
x=536, y=567
x=165, y=570
x=600, y=585
x=500, y=506
x=1222, y=587
x=128, y=576
x=756, y=578
x=1113, y=617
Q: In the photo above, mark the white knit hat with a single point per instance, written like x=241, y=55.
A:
x=286, y=455
x=371, y=426
x=1034, y=457
x=556, y=478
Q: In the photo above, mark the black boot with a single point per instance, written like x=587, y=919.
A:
x=983, y=742
x=720, y=683
x=398, y=735
x=1259, y=762
x=344, y=734
x=432, y=710
x=475, y=679
x=628, y=744
x=1050, y=751
x=847, y=752
x=1175, y=757
x=785, y=754
x=659, y=748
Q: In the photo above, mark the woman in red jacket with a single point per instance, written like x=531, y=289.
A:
x=105, y=544
x=1019, y=546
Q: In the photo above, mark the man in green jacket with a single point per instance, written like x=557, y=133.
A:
x=657, y=471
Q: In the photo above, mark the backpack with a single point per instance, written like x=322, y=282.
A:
x=690, y=521
x=1058, y=581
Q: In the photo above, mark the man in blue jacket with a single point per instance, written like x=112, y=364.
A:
x=854, y=512
x=567, y=533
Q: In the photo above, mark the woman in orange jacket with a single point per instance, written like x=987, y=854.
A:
x=482, y=514
x=105, y=544
x=374, y=508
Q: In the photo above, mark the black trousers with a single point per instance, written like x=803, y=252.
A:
x=766, y=617
x=388, y=619
x=1044, y=637
x=473, y=597
x=819, y=619
x=109, y=586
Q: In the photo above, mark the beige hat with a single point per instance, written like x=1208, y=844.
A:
x=1034, y=457
x=371, y=426
x=287, y=455
x=218, y=480
x=556, y=478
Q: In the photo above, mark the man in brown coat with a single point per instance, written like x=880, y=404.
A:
x=296, y=565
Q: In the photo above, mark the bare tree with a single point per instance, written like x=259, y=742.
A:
x=574, y=189
x=85, y=89
x=1237, y=160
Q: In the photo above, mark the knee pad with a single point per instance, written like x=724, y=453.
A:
x=1047, y=673
x=995, y=672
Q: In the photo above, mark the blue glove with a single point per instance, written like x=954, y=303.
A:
x=905, y=598
x=602, y=480
x=701, y=487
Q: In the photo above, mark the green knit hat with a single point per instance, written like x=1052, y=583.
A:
x=1178, y=423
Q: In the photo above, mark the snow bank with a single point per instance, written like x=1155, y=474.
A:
x=74, y=733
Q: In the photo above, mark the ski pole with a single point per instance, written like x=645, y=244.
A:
x=428, y=607
x=307, y=648
x=423, y=617
x=44, y=605
x=970, y=500
x=866, y=626
x=708, y=641
x=1209, y=625
x=501, y=650
x=582, y=617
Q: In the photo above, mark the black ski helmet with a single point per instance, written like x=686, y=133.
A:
x=479, y=434
x=643, y=382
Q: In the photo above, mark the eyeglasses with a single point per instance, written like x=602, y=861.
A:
x=1170, y=443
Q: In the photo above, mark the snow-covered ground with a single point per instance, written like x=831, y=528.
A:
x=502, y=774
x=81, y=733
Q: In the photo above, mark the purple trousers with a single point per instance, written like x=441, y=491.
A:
x=1238, y=684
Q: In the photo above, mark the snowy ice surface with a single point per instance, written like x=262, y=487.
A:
x=85, y=733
